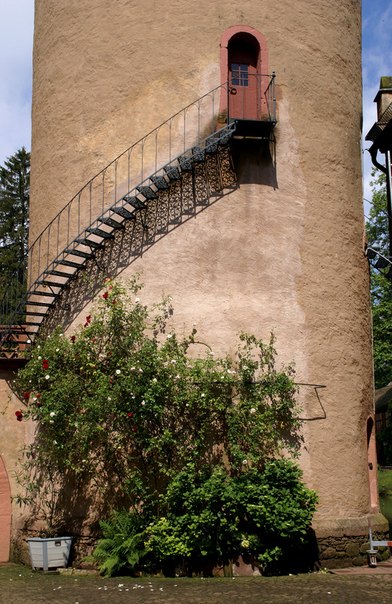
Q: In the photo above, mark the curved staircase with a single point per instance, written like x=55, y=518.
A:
x=120, y=195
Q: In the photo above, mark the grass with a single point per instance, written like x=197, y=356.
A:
x=385, y=482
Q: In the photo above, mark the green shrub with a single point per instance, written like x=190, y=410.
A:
x=122, y=545
x=191, y=447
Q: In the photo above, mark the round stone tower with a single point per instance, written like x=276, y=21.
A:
x=263, y=233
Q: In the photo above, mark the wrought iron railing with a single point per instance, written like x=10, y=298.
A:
x=252, y=97
x=176, y=136
x=131, y=168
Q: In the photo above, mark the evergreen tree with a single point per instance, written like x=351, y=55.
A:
x=381, y=285
x=14, y=223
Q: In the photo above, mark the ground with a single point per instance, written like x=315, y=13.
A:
x=19, y=585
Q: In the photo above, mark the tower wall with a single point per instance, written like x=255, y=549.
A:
x=284, y=250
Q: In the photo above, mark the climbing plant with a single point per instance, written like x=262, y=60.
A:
x=192, y=453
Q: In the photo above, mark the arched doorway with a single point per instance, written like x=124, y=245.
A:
x=244, y=65
x=5, y=513
x=244, y=77
x=372, y=464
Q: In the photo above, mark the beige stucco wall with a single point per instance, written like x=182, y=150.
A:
x=13, y=436
x=288, y=258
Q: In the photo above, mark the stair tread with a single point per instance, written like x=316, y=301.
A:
x=136, y=203
x=33, y=303
x=212, y=146
x=100, y=232
x=39, y=293
x=124, y=213
x=147, y=192
x=55, y=273
x=79, y=253
x=51, y=283
x=186, y=163
x=111, y=222
x=160, y=182
x=89, y=243
x=172, y=172
x=198, y=154
x=71, y=264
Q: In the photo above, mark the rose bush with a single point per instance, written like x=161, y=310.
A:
x=142, y=420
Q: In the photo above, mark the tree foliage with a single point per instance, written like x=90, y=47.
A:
x=195, y=448
x=14, y=222
x=381, y=286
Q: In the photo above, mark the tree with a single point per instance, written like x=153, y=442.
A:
x=14, y=224
x=381, y=285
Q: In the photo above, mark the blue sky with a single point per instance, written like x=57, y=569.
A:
x=376, y=62
x=16, y=35
x=16, y=38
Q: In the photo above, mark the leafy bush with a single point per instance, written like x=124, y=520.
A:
x=191, y=447
x=122, y=545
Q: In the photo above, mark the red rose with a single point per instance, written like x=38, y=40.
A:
x=19, y=415
x=130, y=414
x=26, y=395
x=105, y=295
x=45, y=364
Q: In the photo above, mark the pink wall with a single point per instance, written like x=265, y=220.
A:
x=5, y=514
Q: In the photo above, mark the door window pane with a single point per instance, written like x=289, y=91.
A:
x=239, y=74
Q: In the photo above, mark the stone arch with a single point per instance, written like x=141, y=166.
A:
x=5, y=513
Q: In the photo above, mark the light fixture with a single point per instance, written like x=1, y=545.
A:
x=370, y=253
x=372, y=557
x=382, y=262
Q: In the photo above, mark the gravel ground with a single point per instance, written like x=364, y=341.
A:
x=19, y=585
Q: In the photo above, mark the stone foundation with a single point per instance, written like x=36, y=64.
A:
x=324, y=552
x=340, y=552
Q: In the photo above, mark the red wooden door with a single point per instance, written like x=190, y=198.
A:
x=244, y=78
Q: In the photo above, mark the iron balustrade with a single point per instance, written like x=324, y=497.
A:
x=192, y=127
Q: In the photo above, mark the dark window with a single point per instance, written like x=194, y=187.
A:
x=239, y=74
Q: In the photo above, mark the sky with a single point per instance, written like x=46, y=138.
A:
x=376, y=62
x=16, y=38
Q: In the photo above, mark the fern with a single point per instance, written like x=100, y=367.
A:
x=122, y=546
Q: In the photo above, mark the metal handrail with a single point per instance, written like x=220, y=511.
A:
x=184, y=130
x=130, y=150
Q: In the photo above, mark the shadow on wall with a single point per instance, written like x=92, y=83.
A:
x=197, y=189
x=194, y=192
x=255, y=161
